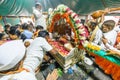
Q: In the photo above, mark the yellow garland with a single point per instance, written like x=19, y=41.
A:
x=93, y=47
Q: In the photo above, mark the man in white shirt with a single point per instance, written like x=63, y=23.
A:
x=39, y=17
x=28, y=65
x=35, y=51
x=109, y=34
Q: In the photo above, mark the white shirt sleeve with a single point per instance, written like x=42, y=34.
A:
x=109, y=46
x=37, y=13
x=98, y=37
x=46, y=46
x=35, y=53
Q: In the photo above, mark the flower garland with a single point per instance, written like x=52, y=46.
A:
x=72, y=18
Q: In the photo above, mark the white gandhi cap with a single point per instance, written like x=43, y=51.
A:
x=11, y=53
x=38, y=3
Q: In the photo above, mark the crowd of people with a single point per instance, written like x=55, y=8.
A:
x=37, y=42
x=32, y=41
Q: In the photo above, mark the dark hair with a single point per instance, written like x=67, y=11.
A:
x=1, y=35
x=93, y=24
x=23, y=37
x=14, y=31
x=82, y=21
x=39, y=27
x=25, y=26
x=18, y=25
x=43, y=33
x=6, y=27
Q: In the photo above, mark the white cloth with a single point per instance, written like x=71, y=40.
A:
x=19, y=76
x=39, y=18
x=117, y=28
x=35, y=53
x=97, y=37
x=28, y=40
x=11, y=53
x=111, y=37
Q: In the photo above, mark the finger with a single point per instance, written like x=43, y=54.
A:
x=48, y=77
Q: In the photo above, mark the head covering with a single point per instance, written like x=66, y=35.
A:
x=11, y=53
x=38, y=4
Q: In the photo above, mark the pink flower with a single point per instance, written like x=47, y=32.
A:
x=75, y=15
x=70, y=12
x=77, y=21
x=68, y=9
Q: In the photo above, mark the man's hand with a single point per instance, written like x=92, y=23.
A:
x=53, y=75
x=104, y=40
x=53, y=51
x=118, y=46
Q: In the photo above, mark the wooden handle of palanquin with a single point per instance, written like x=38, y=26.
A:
x=99, y=13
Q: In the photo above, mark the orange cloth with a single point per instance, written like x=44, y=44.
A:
x=20, y=69
x=118, y=38
x=108, y=67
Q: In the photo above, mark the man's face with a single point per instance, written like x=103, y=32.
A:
x=39, y=7
x=13, y=37
x=47, y=37
x=105, y=29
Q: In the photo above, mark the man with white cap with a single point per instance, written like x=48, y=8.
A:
x=39, y=17
x=12, y=54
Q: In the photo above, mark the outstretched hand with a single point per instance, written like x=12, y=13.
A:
x=53, y=75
